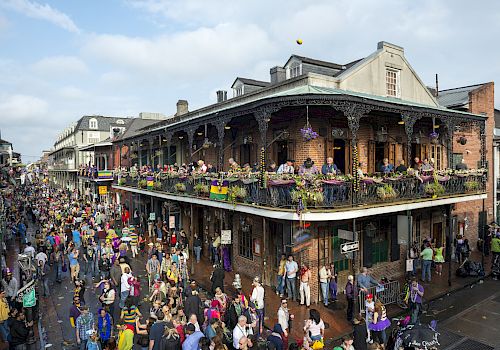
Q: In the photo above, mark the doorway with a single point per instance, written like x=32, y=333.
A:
x=379, y=155
x=282, y=152
x=339, y=154
x=437, y=233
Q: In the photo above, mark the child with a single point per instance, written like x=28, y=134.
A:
x=92, y=343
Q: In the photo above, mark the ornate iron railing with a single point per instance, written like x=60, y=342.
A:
x=280, y=194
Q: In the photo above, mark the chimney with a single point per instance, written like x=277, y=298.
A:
x=182, y=107
x=278, y=74
x=221, y=95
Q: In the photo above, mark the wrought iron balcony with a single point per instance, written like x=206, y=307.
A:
x=313, y=192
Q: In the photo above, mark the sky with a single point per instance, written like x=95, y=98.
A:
x=62, y=59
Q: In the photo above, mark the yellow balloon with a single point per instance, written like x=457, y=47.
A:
x=299, y=41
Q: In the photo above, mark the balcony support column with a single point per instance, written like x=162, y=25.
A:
x=168, y=137
x=151, y=155
x=450, y=128
x=221, y=131
x=160, y=151
x=410, y=120
x=190, y=133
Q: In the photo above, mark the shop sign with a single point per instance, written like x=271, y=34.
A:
x=103, y=190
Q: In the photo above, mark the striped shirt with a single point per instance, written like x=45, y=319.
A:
x=134, y=237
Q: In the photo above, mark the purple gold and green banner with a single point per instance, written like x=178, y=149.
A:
x=105, y=175
x=150, y=181
x=218, y=190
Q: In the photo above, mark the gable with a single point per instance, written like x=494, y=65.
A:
x=369, y=76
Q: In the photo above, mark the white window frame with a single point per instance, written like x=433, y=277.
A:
x=397, y=92
x=238, y=90
x=93, y=137
x=294, y=70
x=93, y=124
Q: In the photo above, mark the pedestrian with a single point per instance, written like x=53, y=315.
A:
x=57, y=259
x=416, y=295
x=104, y=326
x=193, y=336
x=285, y=318
x=258, y=299
x=240, y=332
x=75, y=310
x=291, y=269
x=315, y=326
x=495, y=261
x=426, y=256
x=133, y=242
x=414, y=255
x=280, y=279
x=74, y=265
x=156, y=331
x=369, y=310
x=439, y=258
x=365, y=281
x=92, y=342
x=347, y=342
x=11, y=286
x=323, y=282
x=19, y=331
x=125, y=287
x=129, y=313
x=84, y=324
x=359, y=333
x=217, y=278
x=4, y=315
x=305, y=288
x=171, y=339
x=332, y=280
x=276, y=337
x=197, y=244
x=380, y=323
x=142, y=331
x=125, y=338
x=350, y=292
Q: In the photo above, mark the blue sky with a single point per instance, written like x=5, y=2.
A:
x=63, y=59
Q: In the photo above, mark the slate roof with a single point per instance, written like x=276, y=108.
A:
x=316, y=62
x=135, y=127
x=252, y=82
x=4, y=142
x=457, y=97
x=103, y=123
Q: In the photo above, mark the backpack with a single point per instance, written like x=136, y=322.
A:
x=172, y=343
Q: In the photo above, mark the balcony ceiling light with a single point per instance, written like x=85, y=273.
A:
x=436, y=126
x=181, y=137
x=401, y=122
x=199, y=133
x=227, y=127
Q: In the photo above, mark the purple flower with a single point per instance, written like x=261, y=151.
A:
x=433, y=135
x=308, y=133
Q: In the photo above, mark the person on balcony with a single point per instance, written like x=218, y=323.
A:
x=417, y=163
x=426, y=166
x=211, y=169
x=271, y=168
x=329, y=167
x=308, y=168
x=233, y=166
x=461, y=165
x=202, y=168
x=401, y=168
x=287, y=167
x=386, y=167
x=361, y=175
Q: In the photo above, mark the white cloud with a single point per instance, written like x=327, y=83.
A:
x=18, y=110
x=204, y=52
x=60, y=66
x=45, y=12
x=114, y=78
x=72, y=92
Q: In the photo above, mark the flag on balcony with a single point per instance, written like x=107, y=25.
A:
x=218, y=189
x=104, y=175
x=150, y=181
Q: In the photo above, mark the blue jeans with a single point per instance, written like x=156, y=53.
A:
x=291, y=287
x=426, y=269
x=123, y=297
x=333, y=289
x=324, y=292
x=58, y=270
x=415, y=265
x=280, y=285
x=260, y=320
x=4, y=331
x=197, y=253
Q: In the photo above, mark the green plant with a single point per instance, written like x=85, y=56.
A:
x=142, y=183
x=200, y=188
x=309, y=196
x=122, y=181
x=434, y=189
x=133, y=173
x=157, y=185
x=471, y=186
x=386, y=192
x=180, y=187
x=236, y=193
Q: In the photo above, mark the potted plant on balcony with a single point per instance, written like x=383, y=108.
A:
x=121, y=181
x=434, y=189
x=386, y=192
x=142, y=183
x=434, y=137
x=157, y=185
x=180, y=187
x=308, y=196
x=236, y=193
x=471, y=186
x=201, y=189
x=133, y=173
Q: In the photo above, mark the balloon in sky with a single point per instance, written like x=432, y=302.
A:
x=299, y=41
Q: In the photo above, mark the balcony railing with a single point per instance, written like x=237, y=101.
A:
x=316, y=192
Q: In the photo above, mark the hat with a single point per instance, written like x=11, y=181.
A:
x=308, y=163
x=369, y=296
x=8, y=271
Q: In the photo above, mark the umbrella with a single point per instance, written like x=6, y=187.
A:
x=418, y=336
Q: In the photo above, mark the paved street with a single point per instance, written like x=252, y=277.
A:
x=469, y=318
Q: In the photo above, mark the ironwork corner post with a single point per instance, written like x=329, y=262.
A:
x=168, y=137
x=221, y=131
x=450, y=129
x=190, y=133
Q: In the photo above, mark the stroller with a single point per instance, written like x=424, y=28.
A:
x=470, y=269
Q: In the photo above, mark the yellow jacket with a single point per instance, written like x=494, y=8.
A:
x=4, y=310
x=126, y=340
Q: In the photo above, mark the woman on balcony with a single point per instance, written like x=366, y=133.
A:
x=308, y=168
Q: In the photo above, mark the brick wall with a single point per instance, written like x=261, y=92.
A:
x=481, y=101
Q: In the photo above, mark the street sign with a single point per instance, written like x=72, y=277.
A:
x=349, y=247
x=29, y=299
x=103, y=190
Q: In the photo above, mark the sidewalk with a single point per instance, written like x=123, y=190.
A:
x=334, y=316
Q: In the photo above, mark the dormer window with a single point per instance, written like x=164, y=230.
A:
x=295, y=70
x=93, y=124
x=238, y=90
x=119, y=121
x=392, y=82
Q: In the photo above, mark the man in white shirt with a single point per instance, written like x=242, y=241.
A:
x=125, y=286
x=291, y=269
x=286, y=168
x=29, y=250
x=240, y=331
x=284, y=317
x=257, y=298
x=41, y=259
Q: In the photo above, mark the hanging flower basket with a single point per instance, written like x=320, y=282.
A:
x=308, y=133
x=434, y=137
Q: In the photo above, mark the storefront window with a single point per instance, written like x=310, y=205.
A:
x=380, y=242
x=329, y=246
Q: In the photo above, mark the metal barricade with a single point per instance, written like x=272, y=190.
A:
x=387, y=293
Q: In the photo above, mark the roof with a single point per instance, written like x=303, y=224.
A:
x=456, y=97
x=103, y=123
x=252, y=82
x=4, y=142
x=105, y=143
x=135, y=126
x=316, y=62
